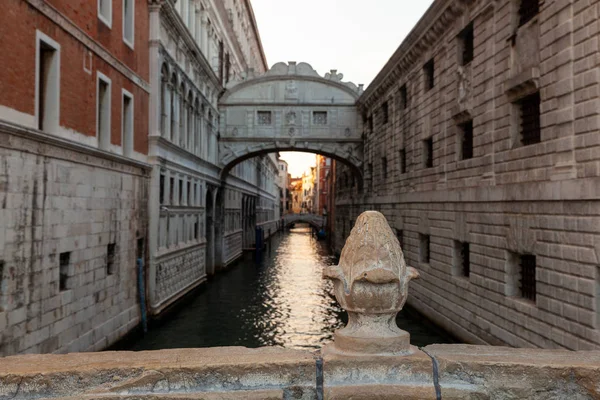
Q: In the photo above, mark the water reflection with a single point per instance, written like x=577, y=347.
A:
x=282, y=301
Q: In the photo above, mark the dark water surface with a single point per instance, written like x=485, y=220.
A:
x=282, y=301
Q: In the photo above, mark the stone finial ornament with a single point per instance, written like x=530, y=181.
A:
x=371, y=283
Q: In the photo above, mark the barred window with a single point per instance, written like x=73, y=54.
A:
x=466, y=140
x=402, y=160
x=466, y=38
x=110, y=258
x=428, y=153
x=530, y=119
x=462, y=259
x=319, y=117
x=527, y=285
x=264, y=117
x=429, y=71
x=385, y=113
x=527, y=10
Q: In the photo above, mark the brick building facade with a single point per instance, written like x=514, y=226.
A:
x=73, y=175
x=482, y=150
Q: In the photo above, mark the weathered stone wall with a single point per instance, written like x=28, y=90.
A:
x=461, y=372
x=509, y=199
x=62, y=203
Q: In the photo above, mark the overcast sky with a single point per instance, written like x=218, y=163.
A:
x=356, y=37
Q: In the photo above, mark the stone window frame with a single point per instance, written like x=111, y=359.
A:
x=105, y=12
x=403, y=96
x=52, y=101
x=516, y=98
x=127, y=131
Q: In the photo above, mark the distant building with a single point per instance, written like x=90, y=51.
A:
x=297, y=195
x=322, y=191
x=283, y=184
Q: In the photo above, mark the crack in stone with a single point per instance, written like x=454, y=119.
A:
x=436, y=375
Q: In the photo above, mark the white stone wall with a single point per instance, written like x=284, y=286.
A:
x=508, y=199
x=59, y=198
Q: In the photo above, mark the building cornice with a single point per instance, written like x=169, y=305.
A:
x=421, y=38
x=257, y=34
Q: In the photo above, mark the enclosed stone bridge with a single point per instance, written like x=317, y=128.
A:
x=314, y=220
x=290, y=108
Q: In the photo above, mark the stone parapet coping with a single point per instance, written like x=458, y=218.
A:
x=461, y=372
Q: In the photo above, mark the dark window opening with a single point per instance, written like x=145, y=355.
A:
x=110, y=258
x=370, y=123
x=527, y=10
x=171, y=190
x=384, y=169
x=161, y=196
x=189, y=193
x=467, y=140
x=400, y=237
x=429, y=71
x=425, y=248
x=530, y=119
x=140, y=250
x=180, y=191
x=46, y=57
x=527, y=264
x=403, y=97
x=467, y=43
x=385, y=113
x=464, y=255
x=64, y=261
x=428, y=152
x=221, y=61
x=402, y=161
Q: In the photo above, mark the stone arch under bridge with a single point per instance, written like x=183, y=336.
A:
x=290, y=108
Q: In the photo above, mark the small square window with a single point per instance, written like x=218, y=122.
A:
x=110, y=258
x=402, y=157
x=467, y=45
x=527, y=10
x=429, y=71
x=466, y=140
x=424, y=248
x=385, y=113
x=264, y=117
x=428, y=152
x=462, y=259
x=319, y=117
x=529, y=119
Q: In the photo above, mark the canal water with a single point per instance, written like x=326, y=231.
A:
x=281, y=301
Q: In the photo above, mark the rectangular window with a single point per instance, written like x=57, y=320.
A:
x=105, y=12
x=196, y=200
x=402, y=160
x=48, y=83
x=371, y=123
x=384, y=169
x=529, y=118
x=462, y=259
x=385, y=113
x=180, y=191
x=127, y=123
x=527, y=285
x=189, y=194
x=424, y=248
x=103, y=112
x=428, y=152
x=128, y=21
x=403, y=97
x=429, y=71
x=110, y=258
x=171, y=190
x=264, y=117
x=467, y=45
x=161, y=188
x=527, y=10
x=64, y=262
x=466, y=140
x=319, y=117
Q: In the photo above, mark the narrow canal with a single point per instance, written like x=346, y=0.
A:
x=283, y=301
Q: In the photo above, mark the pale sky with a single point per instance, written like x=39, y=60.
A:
x=356, y=37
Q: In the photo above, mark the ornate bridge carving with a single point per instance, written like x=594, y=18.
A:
x=290, y=108
x=315, y=220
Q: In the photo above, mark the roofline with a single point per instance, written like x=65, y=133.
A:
x=255, y=28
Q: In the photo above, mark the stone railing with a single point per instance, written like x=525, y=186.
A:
x=369, y=359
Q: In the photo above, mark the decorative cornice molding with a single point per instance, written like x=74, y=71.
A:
x=71, y=28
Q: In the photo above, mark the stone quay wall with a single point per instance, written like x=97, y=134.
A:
x=460, y=372
x=73, y=223
x=509, y=201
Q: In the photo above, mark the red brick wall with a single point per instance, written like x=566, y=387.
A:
x=18, y=24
